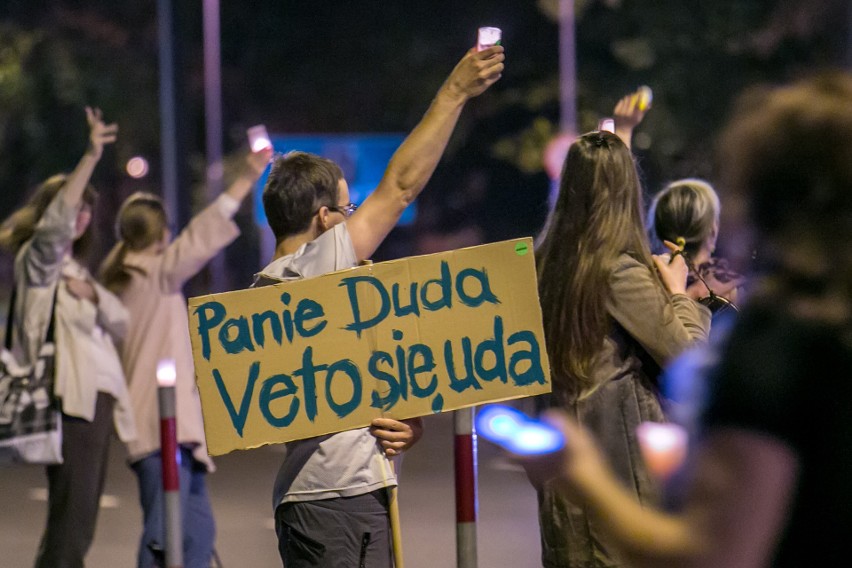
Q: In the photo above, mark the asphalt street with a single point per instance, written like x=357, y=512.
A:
x=241, y=495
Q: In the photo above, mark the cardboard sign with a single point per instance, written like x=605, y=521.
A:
x=398, y=339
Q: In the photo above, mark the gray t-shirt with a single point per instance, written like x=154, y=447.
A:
x=336, y=465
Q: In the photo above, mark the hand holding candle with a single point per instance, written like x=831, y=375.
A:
x=663, y=447
x=487, y=37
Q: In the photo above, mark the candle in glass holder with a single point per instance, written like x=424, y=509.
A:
x=663, y=447
x=487, y=37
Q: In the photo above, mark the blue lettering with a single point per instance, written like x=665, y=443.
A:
x=309, y=382
x=274, y=325
x=306, y=311
x=412, y=308
x=238, y=418
x=485, y=293
x=358, y=325
x=239, y=343
x=348, y=368
x=457, y=384
x=267, y=395
x=534, y=374
x=206, y=323
x=493, y=345
x=445, y=300
x=389, y=400
x=425, y=366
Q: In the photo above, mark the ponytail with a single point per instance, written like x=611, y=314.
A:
x=114, y=275
x=141, y=222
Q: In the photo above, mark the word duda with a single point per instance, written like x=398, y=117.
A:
x=401, y=369
x=236, y=335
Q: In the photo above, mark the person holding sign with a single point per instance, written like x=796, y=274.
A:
x=54, y=290
x=613, y=314
x=330, y=494
x=148, y=272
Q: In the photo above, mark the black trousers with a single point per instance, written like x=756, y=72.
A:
x=75, y=487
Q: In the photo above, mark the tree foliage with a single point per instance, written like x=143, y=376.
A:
x=362, y=66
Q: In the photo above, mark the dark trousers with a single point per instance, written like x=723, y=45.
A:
x=75, y=487
x=346, y=532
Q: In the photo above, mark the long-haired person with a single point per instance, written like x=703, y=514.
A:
x=771, y=481
x=147, y=270
x=613, y=314
x=687, y=212
x=48, y=236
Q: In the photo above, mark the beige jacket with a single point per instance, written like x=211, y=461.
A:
x=86, y=359
x=161, y=329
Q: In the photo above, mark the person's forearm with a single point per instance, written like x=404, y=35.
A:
x=646, y=535
x=241, y=187
x=78, y=179
x=418, y=156
x=626, y=134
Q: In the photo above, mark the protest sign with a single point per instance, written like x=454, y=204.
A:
x=399, y=339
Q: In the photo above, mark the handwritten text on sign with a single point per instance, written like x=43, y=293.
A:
x=400, y=339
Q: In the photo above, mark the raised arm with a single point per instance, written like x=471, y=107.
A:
x=628, y=113
x=736, y=504
x=212, y=229
x=41, y=257
x=99, y=135
x=415, y=160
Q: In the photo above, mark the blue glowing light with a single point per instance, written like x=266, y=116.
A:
x=516, y=432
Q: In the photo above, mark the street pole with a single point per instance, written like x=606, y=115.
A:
x=567, y=68
x=168, y=114
x=466, y=497
x=166, y=376
x=213, y=125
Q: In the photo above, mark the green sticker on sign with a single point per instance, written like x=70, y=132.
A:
x=521, y=249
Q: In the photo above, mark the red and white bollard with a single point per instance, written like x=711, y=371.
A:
x=466, y=498
x=166, y=376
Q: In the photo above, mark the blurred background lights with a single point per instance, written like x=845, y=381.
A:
x=137, y=167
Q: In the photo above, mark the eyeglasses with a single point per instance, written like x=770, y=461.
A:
x=345, y=210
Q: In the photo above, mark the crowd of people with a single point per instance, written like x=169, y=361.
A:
x=623, y=295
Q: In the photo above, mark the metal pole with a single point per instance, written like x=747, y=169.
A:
x=567, y=68
x=466, y=498
x=168, y=116
x=169, y=458
x=213, y=124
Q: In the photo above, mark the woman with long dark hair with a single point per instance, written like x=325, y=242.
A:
x=47, y=236
x=613, y=314
x=770, y=481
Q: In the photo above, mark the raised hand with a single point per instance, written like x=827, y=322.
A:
x=476, y=71
x=100, y=133
x=256, y=162
x=628, y=113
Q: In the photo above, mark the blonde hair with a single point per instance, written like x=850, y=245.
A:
x=140, y=223
x=685, y=209
x=20, y=226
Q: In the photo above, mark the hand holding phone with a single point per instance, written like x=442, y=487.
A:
x=258, y=138
x=516, y=432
